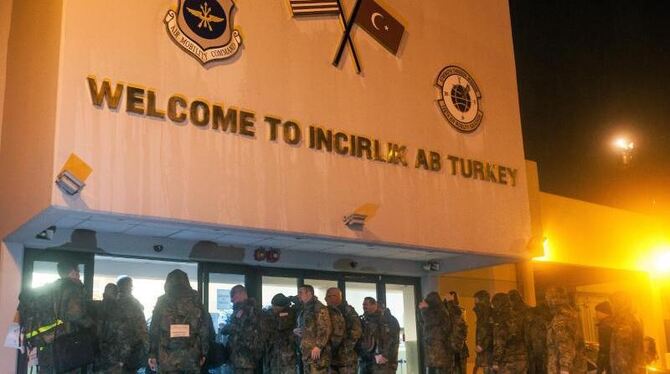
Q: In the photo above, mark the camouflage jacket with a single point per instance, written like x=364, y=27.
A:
x=459, y=333
x=280, y=355
x=536, y=332
x=65, y=297
x=245, y=338
x=314, y=321
x=437, y=329
x=626, y=349
x=565, y=344
x=132, y=328
x=179, y=331
x=604, y=344
x=509, y=344
x=393, y=328
x=345, y=354
x=484, y=329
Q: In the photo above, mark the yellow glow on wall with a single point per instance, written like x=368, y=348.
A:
x=547, y=251
x=660, y=262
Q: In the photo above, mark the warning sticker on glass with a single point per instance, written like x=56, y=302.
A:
x=180, y=331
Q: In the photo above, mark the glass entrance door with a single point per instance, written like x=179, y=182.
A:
x=401, y=302
x=40, y=267
x=399, y=294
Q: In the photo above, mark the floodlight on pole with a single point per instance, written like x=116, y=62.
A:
x=625, y=146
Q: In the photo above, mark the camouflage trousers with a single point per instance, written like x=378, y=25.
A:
x=514, y=367
x=371, y=367
x=114, y=370
x=351, y=369
x=243, y=371
x=430, y=370
x=311, y=368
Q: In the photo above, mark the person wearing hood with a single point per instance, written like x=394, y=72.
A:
x=245, y=338
x=179, y=331
x=509, y=344
x=279, y=321
x=437, y=330
x=627, y=339
x=483, y=332
x=459, y=333
x=565, y=344
x=344, y=358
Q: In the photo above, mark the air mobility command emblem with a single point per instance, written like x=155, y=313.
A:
x=204, y=29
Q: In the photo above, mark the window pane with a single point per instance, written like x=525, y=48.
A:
x=220, y=306
x=401, y=302
x=274, y=285
x=148, y=277
x=320, y=287
x=45, y=272
x=357, y=291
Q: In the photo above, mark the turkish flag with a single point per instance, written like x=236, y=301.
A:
x=380, y=24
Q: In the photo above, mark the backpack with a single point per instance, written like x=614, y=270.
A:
x=338, y=324
x=38, y=316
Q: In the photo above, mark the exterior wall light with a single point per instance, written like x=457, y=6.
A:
x=355, y=221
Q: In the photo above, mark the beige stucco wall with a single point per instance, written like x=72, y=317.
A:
x=150, y=167
x=582, y=233
x=28, y=114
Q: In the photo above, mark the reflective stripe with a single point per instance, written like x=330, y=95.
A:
x=43, y=329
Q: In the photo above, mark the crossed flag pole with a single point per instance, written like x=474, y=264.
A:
x=374, y=19
x=347, y=37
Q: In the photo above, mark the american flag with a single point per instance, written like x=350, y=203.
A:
x=315, y=7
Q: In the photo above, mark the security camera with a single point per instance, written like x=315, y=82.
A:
x=158, y=248
x=353, y=264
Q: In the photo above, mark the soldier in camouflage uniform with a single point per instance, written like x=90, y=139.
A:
x=179, y=331
x=106, y=360
x=536, y=338
x=245, y=338
x=437, y=329
x=459, y=333
x=627, y=340
x=376, y=346
x=132, y=328
x=279, y=321
x=344, y=358
x=313, y=331
x=68, y=297
x=509, y=345
x=604, y=317
x=565, y=345
x=393, y=337
x=484, y=332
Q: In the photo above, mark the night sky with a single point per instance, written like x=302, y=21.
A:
x=588, y=71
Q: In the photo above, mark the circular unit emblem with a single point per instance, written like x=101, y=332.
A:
x=460, y=99
x=207, y=19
